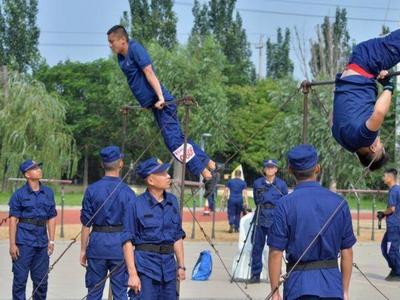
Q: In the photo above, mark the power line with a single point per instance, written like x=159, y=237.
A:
x=333, y=5
x=282, y=13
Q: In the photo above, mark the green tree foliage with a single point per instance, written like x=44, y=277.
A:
x=93, y=117
x=19, y=34
x=279, y=64
x=330, y=52
x=33, y=126
x=219, y=19
x=152, y=21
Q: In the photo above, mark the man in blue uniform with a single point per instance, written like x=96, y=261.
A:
x=299, y=218
x=136, y=64
x=235, y=190
x=103, y=207
x=153, y=236
x=391, y=240
x=32, y=230
x=358, y=114
x=267, y=192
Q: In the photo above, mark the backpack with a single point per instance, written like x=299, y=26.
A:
x=203, y=267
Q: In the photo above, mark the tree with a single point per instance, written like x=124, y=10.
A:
x=330, y=52
x=218, y=19
x=201, y=26
x=33, y=126
x=153, y=21
x=93, y=117
x=279, y=64
x=19, y=34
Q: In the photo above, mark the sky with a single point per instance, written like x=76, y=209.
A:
x=75, y=29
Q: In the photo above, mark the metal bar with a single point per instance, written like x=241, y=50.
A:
x=62, y=211
x=361, y=191
x=306, y=90
x=61, y=181
x=213, y=215
x=373, y=219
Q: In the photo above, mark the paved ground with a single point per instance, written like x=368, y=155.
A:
x=67, y=278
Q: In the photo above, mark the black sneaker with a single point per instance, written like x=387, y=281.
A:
x=254, y=279
x=230, y=229
x=236, y=229
x=392, y=276
x=211, y=184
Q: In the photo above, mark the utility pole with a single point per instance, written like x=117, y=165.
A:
x=260, y=48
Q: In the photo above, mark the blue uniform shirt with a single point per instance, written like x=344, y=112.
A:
x=132, y=65
x=353, y=104
x=26, y=203
x=153, y=222
x=236, y=187
x=267, y=193
x=298, y=218
x=104, y=245
x=394, y=200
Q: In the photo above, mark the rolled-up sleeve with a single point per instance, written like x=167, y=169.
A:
x=279, y=234
x=129, y=227
x=52, y=210
x=15, y=206
x=140, y=55
x=87, y=210
x=348, y=239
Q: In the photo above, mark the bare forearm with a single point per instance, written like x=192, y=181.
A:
x=12, y=229
x=178, y=249
x=346, y=265
x=84, y=237
x=274, y=267
x=51, y=228
x=153, y=81
x=246, y=198
x=381, y=108
x=129, y=257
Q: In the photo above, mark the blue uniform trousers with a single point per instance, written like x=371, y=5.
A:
x=154, y=290
x=392, y=237
x=35, y=260
x=171, y=131
x=260, y=235
x=316, y=298
x=97, y=270
x=378, y=54
x=234, y=211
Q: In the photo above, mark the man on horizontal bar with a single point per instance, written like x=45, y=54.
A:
x=358, y=112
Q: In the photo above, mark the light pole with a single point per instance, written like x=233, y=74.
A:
x=202, y=146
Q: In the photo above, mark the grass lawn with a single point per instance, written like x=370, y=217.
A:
x=74, y=194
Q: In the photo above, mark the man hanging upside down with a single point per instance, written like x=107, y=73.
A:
x=358, y=113
x=136, y=64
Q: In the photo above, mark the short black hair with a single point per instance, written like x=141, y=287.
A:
x=303, y=174
x=368, y=160
x=238, y=173
x=391, y=171
x=119, y=31
x=111, y=166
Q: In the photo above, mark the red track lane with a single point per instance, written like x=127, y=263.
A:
x=71, y=216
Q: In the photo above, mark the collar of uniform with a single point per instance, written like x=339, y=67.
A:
x=28, y=187
x=112, y=178
x=153, y=202
x=306, y=184
x=267, y=182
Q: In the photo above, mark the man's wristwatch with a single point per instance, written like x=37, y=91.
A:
x=51, y=242
x=182, y=267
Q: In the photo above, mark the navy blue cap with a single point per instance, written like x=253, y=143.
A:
x=110, y=154
x=28, y=164
x=151, y=166
x=302, y=157
x=270, y=163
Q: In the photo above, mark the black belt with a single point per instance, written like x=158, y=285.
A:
x=107, y=228
x=313, y=265
x=162, y=249
x=268, y=205
x=37, y=222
